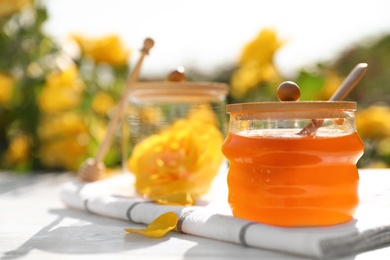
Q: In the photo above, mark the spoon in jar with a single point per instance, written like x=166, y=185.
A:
x=346, y=86
x=289, y=91
x=93, y=168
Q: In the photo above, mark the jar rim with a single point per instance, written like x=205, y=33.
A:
x=289, y=106
x=178, y=91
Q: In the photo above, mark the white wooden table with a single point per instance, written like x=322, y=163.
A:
x=35, y=224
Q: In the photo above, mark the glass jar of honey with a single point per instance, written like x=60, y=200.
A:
x=293, y=163
x=172, y=134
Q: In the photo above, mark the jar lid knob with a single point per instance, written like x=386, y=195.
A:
x=177, y=75
x=288, y=91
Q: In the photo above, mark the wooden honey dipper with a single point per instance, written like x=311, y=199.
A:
x=93, y=168
x=289, y=91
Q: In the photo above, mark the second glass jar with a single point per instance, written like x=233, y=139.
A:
x=172, y=138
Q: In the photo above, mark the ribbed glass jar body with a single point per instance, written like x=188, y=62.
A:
x=293, y=163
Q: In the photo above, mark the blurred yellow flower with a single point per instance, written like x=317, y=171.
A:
x=99, y=129
x=70, y=123
x=262, y=49
x=177, y=165
x=64, y=140
x=332, y=82
x=383, y=147
x=106, y=49
x=6, y=88
x=247, y=78
x=102, y=103
x=373, y=122
x=203, y=113
x=256, y=63
x=62, y=91
x=18, y=150
x=150, y=115
x=66, y=152
x=8, y=7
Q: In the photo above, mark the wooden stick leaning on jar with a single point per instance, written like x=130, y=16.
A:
x=93, y=168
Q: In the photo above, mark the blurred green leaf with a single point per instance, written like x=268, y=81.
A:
x=310, y=85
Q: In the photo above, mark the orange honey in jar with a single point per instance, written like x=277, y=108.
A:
x=279, y=176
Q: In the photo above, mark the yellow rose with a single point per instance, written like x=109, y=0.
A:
x=332, y=82
x=102, y=103
x=383, y=147
x=203, y=113
x=262, y=49
x=256, y=64
x=373, y=122
x=64, y=139
x=6, y=87
x=150, y=115
x=65, y=124
x=248, y=76
x=177, y=165
x=106, y=49
x=65, y=152
x=8, y=7
x=62, y=91
x=18, y=149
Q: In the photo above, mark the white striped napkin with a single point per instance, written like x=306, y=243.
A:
x=115, y=198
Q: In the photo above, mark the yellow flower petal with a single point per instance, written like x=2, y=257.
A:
x=159, y=227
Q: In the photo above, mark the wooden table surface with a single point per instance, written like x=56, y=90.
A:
x=35, y=224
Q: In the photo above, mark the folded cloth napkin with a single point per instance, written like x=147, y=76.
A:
x=114, y=198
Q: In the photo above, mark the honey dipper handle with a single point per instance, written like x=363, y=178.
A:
x=148, y=44
x=350, y=82
x=346, y=86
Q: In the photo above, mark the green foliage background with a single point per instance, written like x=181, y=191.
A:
x=29, y=55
